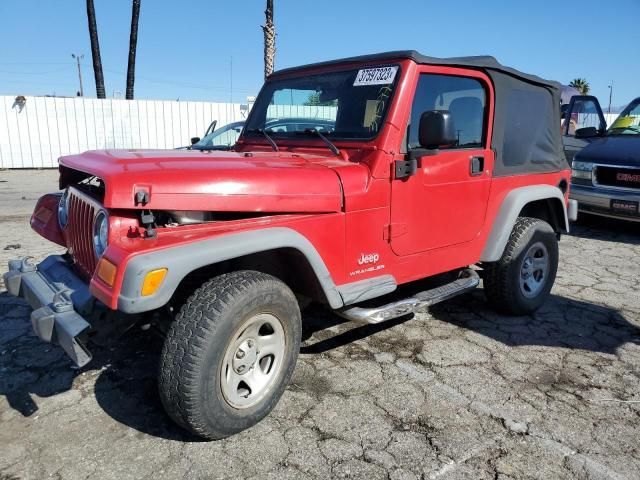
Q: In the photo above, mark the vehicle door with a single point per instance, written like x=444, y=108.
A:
x=582, y=121
x=444, y=201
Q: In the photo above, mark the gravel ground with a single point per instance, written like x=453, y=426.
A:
x=459, y=392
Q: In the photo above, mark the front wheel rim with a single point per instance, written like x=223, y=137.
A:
x=534, y=270
x=252, y=360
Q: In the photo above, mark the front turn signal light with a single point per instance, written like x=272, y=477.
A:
x=107, y=272
x=152, y=281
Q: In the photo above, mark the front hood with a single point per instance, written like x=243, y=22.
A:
x=214, y=181
x=614, y=150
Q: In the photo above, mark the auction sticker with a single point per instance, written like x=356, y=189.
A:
x=375, y=76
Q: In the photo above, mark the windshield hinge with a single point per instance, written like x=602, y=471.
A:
x=141, y=198
x=406, y=168
x=148, y=220
x=393, y=230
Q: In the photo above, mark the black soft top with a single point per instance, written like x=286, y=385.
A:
x=526, y=126
x=480, y=62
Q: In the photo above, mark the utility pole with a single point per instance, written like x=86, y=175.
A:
x=78, y=58
x=610, y=95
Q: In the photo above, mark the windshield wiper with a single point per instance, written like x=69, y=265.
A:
x=331, y=146
x=265, y=135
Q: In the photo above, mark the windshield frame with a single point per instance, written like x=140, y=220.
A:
x=610, y=132
x=220, y=131
x=396, y=84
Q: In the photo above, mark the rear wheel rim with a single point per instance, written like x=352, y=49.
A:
x=534, y=270
x=252, y=360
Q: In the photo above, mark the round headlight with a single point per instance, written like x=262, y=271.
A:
x=63, y=210
x=100, y=233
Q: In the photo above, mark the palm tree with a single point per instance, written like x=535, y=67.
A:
x=133, y=42
x=581, y=85
x=269, y=30
x=95, y=49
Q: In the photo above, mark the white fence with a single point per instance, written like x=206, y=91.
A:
x=34, y=133
x=582, y=120
x=610, y=118
x=302, y=111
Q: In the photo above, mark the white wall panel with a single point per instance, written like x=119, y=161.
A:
x=49, y=127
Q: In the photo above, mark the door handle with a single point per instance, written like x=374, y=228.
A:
x=476, y=165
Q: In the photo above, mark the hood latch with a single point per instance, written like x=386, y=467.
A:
x=141, y=198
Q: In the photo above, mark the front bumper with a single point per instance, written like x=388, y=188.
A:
x=596, y=200
x=58, y=298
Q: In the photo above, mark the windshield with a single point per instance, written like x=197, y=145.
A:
x=224, y=137
x=349, y=104
x=628, y=122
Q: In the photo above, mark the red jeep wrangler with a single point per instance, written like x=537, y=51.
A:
x=450, y=169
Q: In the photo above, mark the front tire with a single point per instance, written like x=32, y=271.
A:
x=521, y=281
x=230, y=353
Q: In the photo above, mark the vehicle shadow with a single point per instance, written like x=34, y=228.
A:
x=323, y=330
x=127, y=390
x=606, y=229
x=125, y=373
x=561, y=322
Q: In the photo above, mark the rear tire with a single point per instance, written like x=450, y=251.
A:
x=520, y=282
x=230, y=353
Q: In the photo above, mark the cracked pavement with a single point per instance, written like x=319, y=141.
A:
x=459, y=392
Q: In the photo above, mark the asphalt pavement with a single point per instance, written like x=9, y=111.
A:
x=459, y=392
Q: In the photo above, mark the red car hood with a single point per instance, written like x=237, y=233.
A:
x=222, y=181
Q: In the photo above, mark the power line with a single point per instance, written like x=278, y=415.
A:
x=172, y=82
x=138, y=77
x=26, y=84
x=116, y=72
x=11, y=72
x=34, y=63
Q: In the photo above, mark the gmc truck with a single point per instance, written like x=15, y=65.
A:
x=605, y=161
x=450, y=170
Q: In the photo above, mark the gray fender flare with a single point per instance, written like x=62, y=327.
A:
x=182, y=260
x=511, y=207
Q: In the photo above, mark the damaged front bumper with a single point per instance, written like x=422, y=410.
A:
x=59, y=299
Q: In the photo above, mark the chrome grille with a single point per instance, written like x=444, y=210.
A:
x=618, y=176
x=79, y=231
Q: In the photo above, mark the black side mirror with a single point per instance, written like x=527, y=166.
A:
x=194, y=140
x=436, y=129
x=587, y=132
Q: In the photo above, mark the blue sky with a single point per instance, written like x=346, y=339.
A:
x=186, y=48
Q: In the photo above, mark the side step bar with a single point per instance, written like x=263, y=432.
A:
x=468, y=280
